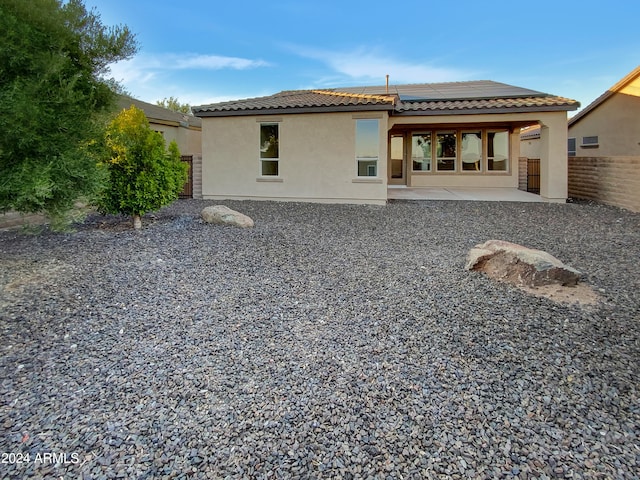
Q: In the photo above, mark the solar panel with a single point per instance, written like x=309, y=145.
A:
x=448, y=91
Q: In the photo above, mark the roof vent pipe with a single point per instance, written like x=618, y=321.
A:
x=387, y=88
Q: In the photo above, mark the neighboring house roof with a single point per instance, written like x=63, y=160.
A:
x=416, y=99
x=530, y=133
x=618, y=87
x=161, y=115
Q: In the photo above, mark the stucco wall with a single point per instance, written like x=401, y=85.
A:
x=530, y=148
x=612, y=180
x=189, y=140
x=616, y=122
x=317, y=159
x=317, y=156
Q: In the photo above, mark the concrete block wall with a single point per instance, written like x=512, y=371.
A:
x=522, y=173
x=197, y=175
x=611, y=180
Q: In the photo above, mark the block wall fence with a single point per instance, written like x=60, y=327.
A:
x=610, y=180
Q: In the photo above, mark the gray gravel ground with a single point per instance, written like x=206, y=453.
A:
x=330, y=341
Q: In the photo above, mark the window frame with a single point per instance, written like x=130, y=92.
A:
x=489, y=159
x=367, y=160
x=459, y=131
x=590, y=144
x=572, y=152
x=263, y=159
x=422, y=133
x=480, y=167
x=437, y=159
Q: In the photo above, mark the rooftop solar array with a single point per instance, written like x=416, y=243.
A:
x=447, y=91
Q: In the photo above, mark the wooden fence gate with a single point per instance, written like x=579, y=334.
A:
x=533, y=175
x=187, y=191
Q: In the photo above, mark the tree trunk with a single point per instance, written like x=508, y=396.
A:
x=137, y=222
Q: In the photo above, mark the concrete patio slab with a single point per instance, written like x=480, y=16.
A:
x=461, y=193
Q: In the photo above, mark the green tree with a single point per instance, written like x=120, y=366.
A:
x=53, y=101
x=174, y=104
x=143, y=175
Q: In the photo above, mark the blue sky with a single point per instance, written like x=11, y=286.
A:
x=205, y=51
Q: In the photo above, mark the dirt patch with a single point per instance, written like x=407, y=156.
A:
x=581, y=294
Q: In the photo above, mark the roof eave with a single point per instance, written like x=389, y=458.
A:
x=479, y=111
x=630, y=77
x=589, y=108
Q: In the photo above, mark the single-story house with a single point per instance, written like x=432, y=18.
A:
x=186, y=130
x=347, y=145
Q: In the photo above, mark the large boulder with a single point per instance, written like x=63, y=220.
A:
x=520, y=265
x=224, y=215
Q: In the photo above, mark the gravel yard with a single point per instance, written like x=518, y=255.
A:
x=330, y=341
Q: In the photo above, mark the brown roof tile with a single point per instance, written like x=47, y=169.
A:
x=487, y=105
x=416, y=99
x=298, y=100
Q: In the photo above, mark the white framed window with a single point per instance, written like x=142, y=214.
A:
x=497, y=150
x=466, y=151
x=421, y=151
x=571, y=147
x=269, y=149
x=590, y=142
x=471, y=151
x=367, y=147
x=446, y=151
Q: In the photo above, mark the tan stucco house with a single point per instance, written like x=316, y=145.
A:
x=348, y=145
x=610, y=125
x=186, y=130
x=604, y=146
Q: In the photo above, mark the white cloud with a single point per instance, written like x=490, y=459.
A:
x=372, y=65
x=212, y=62
x=188, y=61
x=143, y=74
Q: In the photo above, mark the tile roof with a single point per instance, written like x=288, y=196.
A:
x=300, y=100
x=416, y=99
x=530, y=133
x=487, y=105
x=160, y=114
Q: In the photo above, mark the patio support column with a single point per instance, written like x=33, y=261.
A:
x=553, y=157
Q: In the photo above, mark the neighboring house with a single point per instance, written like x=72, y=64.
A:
x=349, y=144
x=529, y=164
x=530, y=142
x=610, y=125
x=186, y=130
x=604, y=146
